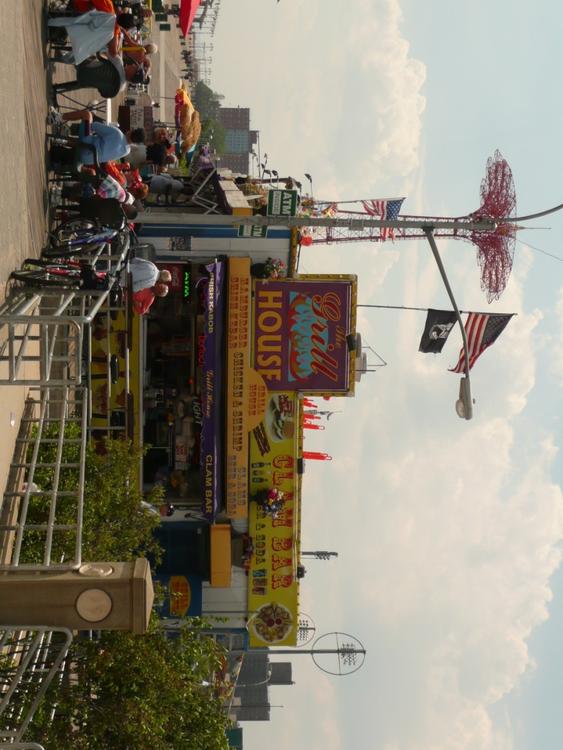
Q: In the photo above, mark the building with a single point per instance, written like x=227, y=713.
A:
x=229, y=360
x=239, y=138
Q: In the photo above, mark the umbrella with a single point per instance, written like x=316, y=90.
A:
x=188, y=10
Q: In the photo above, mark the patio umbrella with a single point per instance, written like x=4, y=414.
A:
x=188, y=10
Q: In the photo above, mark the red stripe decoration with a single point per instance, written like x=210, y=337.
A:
x=482, y=330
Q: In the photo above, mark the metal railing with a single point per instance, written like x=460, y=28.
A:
x=30, y=658
x=41, y=527
x=45, y=332
x=42, y=335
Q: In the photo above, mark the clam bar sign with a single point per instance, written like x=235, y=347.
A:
x=300, y=331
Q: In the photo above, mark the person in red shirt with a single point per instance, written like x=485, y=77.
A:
x=83, y=6
x=143, y=299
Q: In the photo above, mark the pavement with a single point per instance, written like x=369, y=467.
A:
x=23, y=195
x=24, y=85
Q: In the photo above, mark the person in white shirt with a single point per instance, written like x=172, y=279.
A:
x=144, y=274
x=165, y=185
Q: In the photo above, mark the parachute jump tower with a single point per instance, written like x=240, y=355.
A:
x=495, y=247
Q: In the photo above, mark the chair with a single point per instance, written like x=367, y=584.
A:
x=198, y=186
x=98, y=73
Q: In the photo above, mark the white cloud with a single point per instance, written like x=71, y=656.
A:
x=557, y=350
x=447, y=539
x=344, y=97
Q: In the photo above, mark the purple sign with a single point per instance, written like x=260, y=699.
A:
x=211, y=453
x=300, y=330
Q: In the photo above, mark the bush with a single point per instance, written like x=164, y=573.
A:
x=115, y=525
x=131, y=692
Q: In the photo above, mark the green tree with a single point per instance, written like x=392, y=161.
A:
x=207, y=101
x=213, y=132
x=131, y=692
x=123, y=691
x=115, y=524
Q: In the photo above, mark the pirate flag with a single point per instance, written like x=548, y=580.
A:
x=439, y=323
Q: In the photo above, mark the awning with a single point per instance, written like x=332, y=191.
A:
x=188, y=9
x=211, y=444
x=220, y=562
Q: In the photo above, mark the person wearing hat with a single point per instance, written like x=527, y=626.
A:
x=147, y=283
x=108, y=140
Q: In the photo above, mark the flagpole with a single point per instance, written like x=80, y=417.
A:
x=181, y=218
x=465, y=401
x=396, y=307
x=357, y=200
x=424, y=309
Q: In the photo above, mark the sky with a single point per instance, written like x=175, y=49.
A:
x=449, y=532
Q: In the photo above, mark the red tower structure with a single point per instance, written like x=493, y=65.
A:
x=495, y=247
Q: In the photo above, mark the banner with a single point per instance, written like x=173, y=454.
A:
x=237, y=364
x=300, y=333
x=211, y=390
x=272, y=576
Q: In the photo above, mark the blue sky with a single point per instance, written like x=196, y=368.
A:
x=449, y=532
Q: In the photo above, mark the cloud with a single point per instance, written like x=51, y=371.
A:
x=448, y=539
x=448, y=532
x=344, y=97
x=557, y=348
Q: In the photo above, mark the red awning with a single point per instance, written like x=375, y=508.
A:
x=188, y=10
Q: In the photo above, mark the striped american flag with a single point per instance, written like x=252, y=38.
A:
x=482, y=330
x=384, y=209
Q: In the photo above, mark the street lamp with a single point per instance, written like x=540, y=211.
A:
x=464, y=404
x=255, y=684
x=308, y=176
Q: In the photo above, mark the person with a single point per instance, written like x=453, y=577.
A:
x=137, y=61
x=109, y=141
x=135, y=19
x=108, y=212
x=147, y=283
x=165, y=185
x=142, y=154
x=90, y=32
x=104, y=187
x=144, y=274
x=143, y=299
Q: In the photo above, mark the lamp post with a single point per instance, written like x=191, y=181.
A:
x=464, y=404
x=310, y=179
x=254, y=684
x=348, y=653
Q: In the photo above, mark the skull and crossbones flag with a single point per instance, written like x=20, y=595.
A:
x=439, y=323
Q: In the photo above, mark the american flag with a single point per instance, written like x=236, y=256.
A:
x=482, y=330
x=385, y=209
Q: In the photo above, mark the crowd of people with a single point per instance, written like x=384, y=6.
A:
x=106, y=44
x=110, y=172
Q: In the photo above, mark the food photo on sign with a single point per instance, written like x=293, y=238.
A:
x=273, y=522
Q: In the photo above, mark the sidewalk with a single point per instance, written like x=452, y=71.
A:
x=23, y=205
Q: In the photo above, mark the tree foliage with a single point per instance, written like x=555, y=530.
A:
x=131, y=692
x=115, y=524
x=123, y=691
x=206, y=101
x=213, y=132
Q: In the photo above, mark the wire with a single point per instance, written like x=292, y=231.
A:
x=539, y=250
